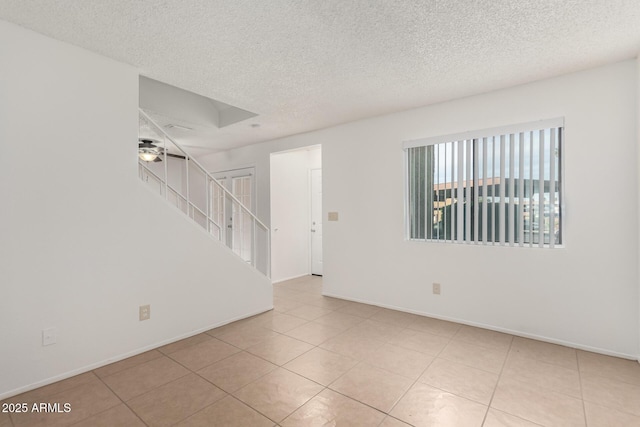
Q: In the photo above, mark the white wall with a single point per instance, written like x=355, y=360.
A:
x=585, y=295
x=84, y=243
x=638, y=173
x=315, y=158
x=290, y=212
x=258, y=157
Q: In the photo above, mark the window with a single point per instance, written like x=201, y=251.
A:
x=495, y=187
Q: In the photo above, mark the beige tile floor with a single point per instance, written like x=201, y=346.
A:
x=316, y=361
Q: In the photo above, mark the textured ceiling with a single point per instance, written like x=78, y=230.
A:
x=308, y=64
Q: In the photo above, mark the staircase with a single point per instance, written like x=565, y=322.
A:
x=185, y=184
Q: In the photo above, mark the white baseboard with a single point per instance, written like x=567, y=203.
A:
x=123, y=356
x=289, y=278
x=495, y=328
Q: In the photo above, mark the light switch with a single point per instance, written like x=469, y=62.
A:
x=333, y=216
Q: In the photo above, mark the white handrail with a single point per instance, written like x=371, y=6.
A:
x=188, y=157
x=208, y=213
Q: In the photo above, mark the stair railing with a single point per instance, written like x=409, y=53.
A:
x=183, y=182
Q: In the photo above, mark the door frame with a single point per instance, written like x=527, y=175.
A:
x=311, y=220
x=225, y=178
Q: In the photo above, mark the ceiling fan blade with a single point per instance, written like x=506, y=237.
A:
x=147, y=143
x=157, y=159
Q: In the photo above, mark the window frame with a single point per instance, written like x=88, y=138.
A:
x=497, y=132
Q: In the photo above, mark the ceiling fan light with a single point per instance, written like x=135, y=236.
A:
x=148, y=154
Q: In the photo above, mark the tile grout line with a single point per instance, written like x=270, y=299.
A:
x=308, y=400
x=191, y=370
x=172, y=381
x=53, y=395
x=421, y=374
x=267, y=373
x=495, y=388
x=385, y=414
x=278, y=423
x=235, y=354
x=121, y=400
x=219, y=400
x=359, y=362
x=231, y=393
x=584, y=409
x=168, y=355
x=326, y=387
x=609, y=378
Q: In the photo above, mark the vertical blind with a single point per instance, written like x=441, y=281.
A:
x=496, y=187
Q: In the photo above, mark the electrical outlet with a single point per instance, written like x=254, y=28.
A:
x=145, y=312
x=49, y=336
x=436, y=288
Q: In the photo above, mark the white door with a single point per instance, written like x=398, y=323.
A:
x=238, y=225
x=316, y=222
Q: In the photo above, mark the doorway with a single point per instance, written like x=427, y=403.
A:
x=296, y=213
x=316, y=221
x=238, y=225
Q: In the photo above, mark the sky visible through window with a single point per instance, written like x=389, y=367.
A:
x=504, y=189
x=446, y=155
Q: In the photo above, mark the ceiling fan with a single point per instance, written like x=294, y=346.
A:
x=148, y=151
